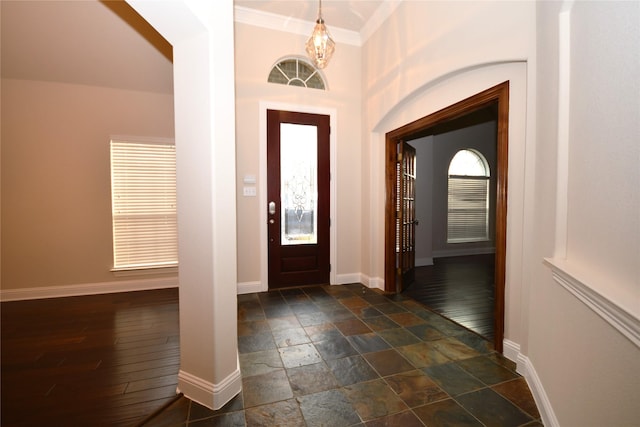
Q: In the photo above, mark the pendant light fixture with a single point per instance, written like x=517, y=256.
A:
x=320, y=46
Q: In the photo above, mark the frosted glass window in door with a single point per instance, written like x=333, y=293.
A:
x=298, y=183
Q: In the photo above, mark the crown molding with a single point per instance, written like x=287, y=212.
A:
x=276, y=22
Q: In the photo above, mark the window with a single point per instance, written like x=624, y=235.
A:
x=468, y=207
x=143, y=201
x=296, y=72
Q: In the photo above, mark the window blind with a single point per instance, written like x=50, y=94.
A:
x=468, y=209
x=143, y=193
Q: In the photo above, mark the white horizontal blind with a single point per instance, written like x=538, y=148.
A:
x=143, y=194
x=468, y=211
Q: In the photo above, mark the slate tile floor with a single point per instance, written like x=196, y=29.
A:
x=351, y=356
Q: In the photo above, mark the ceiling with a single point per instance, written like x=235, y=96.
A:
x=106, y=43
x=350, y=15
x=93, y=43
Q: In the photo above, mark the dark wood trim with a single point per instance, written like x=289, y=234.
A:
x=499, y=95
x=304, y=264
x=501, y=213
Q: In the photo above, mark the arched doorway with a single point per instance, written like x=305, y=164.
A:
x=396, y=245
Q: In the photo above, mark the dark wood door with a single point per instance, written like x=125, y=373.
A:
x=406, y=214
x=298, y=198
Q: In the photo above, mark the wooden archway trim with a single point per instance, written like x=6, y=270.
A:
x=498, y=94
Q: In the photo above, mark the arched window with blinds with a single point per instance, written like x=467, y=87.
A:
x=468, y=201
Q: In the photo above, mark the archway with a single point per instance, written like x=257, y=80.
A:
x=393, y=257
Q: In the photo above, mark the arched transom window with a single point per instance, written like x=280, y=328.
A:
x=296, y=72
x=468, y=207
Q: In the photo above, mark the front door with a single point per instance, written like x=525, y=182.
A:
x=298, y=198
x=405, y=215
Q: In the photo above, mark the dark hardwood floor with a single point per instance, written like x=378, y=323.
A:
x=113, y=359
x=459, y=288
x=89, y=361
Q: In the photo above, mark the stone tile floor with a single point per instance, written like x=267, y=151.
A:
x=350, y=356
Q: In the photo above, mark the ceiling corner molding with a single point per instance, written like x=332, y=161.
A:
x=380, y=15
x=276, y=22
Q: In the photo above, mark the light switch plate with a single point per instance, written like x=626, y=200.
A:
x=249, y=191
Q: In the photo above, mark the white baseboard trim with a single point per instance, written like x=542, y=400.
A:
x=341, y=279
x=87, y=289
x=253, y=287
x=372, y=282
x=250, y=287
x=423, y=262
x=365, y=280
x=213, y=396
x=539, y=395
x=462, y=252
x=511, y=351
x=346, y=279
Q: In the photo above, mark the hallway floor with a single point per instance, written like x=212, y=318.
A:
x=351, y=356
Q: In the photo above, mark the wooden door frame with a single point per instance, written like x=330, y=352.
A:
x=284, y=269
x=263, y=284
x=498, y=94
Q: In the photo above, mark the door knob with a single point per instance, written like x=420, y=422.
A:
x=272, y=208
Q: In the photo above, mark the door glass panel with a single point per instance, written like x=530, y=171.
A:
x=298, y=183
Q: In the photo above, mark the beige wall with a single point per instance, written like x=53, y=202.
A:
x=427, y=56
x=253, y=63
x=56, y=188
x=604, y=147
x=589, y=370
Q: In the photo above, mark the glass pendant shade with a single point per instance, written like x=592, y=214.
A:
x=320, y=46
